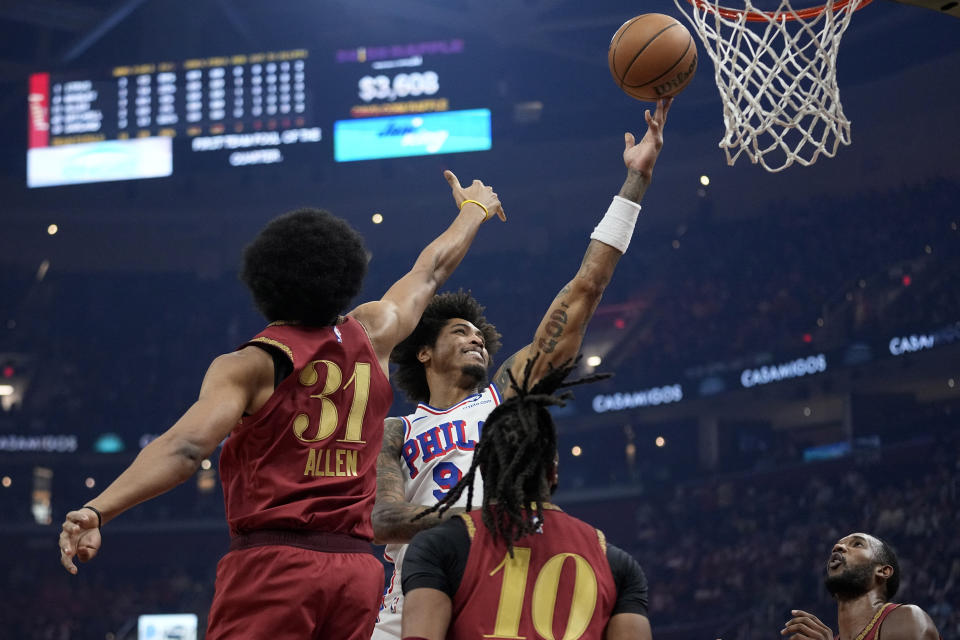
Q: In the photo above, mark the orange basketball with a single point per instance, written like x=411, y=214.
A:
x=652, y=56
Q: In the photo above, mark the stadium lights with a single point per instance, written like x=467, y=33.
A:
x=6, y=389
x=6, y=482
x=705, y=180
x=660, y=442
x=52, y=230
x=576, y=451
x=377, y=218
x=594, y=361
x=42, y=270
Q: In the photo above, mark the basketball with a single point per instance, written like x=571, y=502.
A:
x=652, y=56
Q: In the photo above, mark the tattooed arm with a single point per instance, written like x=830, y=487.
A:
x=392, y=515
x=560, y=334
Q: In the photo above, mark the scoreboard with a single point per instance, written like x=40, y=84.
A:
x=145, y=120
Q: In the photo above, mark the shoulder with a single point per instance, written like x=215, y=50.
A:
x=623, y=565
x=248, y=363
x=908, y=621
x=239, y=377
x=502, y=378
x=373, y=316
x=630, y=582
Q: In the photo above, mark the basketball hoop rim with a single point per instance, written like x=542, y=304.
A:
x=768, y=16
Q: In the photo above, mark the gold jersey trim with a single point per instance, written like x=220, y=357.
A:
x=547, y=506
x=603, y=541
x=871, y=624
x=471, y=527
x=278, y=345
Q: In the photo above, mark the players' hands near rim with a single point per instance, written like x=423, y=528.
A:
x=476, y=191
x=641, y=156
x=80, y=537
x=805, y=626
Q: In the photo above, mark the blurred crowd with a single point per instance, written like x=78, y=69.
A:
x=732, y=555
x=795, y=279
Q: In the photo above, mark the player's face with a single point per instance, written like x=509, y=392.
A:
x=851, y=565
x=853, y=550
x=460, y=346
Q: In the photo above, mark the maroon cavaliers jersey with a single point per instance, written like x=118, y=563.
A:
x=307, y=458
x=557, y=585
x=873, y=627
x=872, y=630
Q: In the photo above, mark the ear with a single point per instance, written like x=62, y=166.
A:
x=424, y=355
x=884, y=571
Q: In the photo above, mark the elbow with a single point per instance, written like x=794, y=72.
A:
x=190, y=458
x=382, y=531
x=385, y=527
x=589, y=285
x=186, y=456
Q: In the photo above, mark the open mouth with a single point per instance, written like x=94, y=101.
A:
x=477, y=354
x=836, y=560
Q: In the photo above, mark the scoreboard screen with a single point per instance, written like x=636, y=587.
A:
x=406, y=102
x=122, y=124
x=145, y=120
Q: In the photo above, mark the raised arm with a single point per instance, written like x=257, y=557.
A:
x=233, y=383
x=393, y=516
x=561, y=331
x=392, y=318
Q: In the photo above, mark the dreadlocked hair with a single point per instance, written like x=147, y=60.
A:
x=409, y=375
x=516, y=451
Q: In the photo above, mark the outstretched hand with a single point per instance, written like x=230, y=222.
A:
x=805, y=626
x=642, y=156
x=80, y=537
x=476, y=191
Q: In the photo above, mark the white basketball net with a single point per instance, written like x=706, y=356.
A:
x=777, y=80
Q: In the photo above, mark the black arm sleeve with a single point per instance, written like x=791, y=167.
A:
x=282, y=367
x=436, y=558
x=630, y=580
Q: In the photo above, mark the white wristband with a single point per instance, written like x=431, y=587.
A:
x=616, y=227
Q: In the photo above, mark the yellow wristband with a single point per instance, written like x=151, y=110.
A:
x=486, y=214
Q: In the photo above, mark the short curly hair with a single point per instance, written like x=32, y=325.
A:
x=305, y=266
x=410, y=376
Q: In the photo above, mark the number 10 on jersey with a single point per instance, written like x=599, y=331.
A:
x=513, y=590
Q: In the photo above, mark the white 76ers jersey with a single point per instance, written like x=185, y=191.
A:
x=438, y=449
